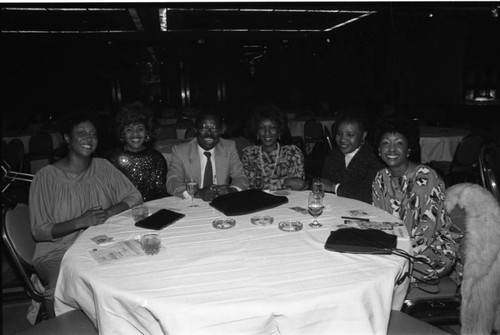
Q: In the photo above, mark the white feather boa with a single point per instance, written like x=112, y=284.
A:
x=480, y=307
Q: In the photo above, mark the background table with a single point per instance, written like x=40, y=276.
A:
x=165, y=147
x=439, y=144
x=297, y=126
x=244, y=280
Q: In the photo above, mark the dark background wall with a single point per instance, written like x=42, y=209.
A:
x=421, y=65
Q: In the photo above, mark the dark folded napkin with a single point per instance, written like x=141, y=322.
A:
x=365, y=241
x=246, y=202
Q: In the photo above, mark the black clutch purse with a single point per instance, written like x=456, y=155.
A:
x=159, y=220
x=246, y=202
x=361, y=241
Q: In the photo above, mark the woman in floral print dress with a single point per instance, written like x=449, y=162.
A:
x=415, y=194
x=279, y=166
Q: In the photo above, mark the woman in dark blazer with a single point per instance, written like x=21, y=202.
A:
x=350, y=168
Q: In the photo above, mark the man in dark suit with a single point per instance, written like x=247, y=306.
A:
x=209, y=159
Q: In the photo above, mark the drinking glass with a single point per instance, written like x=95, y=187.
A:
x=192, y=188
x=151, y=243
x=140, y=212
x=315, y=205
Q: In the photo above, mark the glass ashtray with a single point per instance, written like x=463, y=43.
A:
x=290, y=226
x=262, y=220
x=223, y=223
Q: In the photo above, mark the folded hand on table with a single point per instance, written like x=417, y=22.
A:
x=93, y=217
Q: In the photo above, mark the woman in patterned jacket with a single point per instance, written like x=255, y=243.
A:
x=415, y=193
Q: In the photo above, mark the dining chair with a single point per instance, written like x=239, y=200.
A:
x=313, y=134
x=4, y=147
x=313, y=131
x=464, y=166
x=14, y=155
x=489, y=163
x=40, y=150
x=328, y=137
x=19, y=242
x=15, y=185
x=403, y=324
x=74, y=323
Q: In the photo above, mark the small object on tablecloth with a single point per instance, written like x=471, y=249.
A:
x=299, y=209
x=223, y=223
x=159, y=220
x=100, y=239
x=262, y=220
x=290, y=226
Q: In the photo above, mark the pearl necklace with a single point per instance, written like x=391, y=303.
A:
x=262, y=162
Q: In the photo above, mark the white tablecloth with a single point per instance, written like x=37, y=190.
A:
x=244, y=280
x=439, y=144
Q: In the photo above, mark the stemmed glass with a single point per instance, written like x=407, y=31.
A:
x=315, y=205
x=192, y=188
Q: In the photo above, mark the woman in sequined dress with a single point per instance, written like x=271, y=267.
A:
x=279, y=166
x=415, y=194
x=136, y=158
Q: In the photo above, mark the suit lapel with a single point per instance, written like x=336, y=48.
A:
x=194, y=160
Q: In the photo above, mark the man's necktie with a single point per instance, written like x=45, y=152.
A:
x=209, y=176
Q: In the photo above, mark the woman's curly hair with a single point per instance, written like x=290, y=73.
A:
x=134, y=113
x=267, y=112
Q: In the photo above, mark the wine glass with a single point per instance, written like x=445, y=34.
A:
x=315, y=205
x=192, y=188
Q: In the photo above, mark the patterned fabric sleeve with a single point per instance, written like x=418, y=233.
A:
x=432, y=228
x=249, y=158
x=295, y=162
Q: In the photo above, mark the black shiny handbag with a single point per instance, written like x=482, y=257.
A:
x=361, y=241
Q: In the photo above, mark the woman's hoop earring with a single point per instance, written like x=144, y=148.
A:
x=147, y=138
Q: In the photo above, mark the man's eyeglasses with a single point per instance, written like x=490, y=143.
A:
x=204, y=128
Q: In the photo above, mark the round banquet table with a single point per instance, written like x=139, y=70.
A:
x=248, y=279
